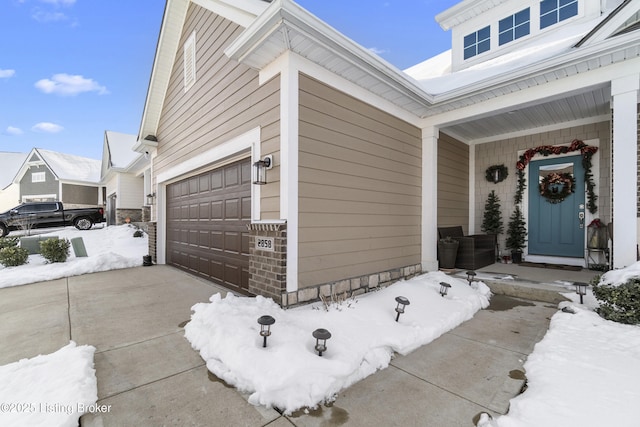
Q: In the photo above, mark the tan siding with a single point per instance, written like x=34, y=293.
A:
x=360, y=187
x=225, y=101
x=453, y=182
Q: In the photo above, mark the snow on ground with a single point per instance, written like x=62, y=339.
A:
x=108, y=248
x=288, y=373
x=49, y=390
x=585, y=371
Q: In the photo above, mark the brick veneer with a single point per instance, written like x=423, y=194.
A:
x=268, y=270
x=152, y=230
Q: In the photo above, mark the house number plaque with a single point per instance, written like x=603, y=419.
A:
x=266, y=244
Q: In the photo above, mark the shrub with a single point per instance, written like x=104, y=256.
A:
x=13, y=256
x=620, y=303
x=8, y=242
x=138, y=233
x=55, y=250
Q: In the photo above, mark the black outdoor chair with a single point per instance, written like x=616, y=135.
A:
x=475, y=251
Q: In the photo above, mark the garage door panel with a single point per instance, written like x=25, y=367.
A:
x=207, y=218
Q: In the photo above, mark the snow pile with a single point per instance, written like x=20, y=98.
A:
x=585, y=372
x=50, y=390
x=108, y=248
x=289, y=374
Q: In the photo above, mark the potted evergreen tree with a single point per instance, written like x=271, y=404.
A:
x=516, y=234
x=492, y=219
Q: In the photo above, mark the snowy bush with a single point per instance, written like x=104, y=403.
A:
x=13, y=256
x=8, y=242
x=619, y=302
x=55, y=250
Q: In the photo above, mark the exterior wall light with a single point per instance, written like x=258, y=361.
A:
x=471, y=276
x=581, y=289
x=151, y=199
x=321, y=336
x=260, y=170
x=265, y=327
x=402, y=303
x=444, y=288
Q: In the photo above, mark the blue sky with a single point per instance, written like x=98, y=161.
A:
x=71, y=69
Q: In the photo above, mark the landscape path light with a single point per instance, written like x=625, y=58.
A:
x=581, y=289
x=402, y=303
x=444, y=288
x=471, y=276
x=321, y=335
x=265, y=327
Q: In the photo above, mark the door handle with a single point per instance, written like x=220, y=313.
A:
x=581, y=218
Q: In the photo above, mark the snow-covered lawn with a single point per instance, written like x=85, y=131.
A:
x=288, y=373
x=108, y=248
x=49, y=390
x=585, y=371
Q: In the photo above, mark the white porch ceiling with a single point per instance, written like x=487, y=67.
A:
x=591, y=103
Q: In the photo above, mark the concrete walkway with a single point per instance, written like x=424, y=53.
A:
x=150, y=376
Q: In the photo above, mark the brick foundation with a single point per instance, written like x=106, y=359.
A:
x=268, y=268
x=348, y=287
x=152, y=228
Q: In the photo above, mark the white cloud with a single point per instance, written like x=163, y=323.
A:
x=14, y=131
x=69, y=85
x=59, y=2
x=5, y=74
x=47, y=127
x=378, y=51
x=42, y=16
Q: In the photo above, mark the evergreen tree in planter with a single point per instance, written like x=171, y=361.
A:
x=492, y=220
x=516, y=234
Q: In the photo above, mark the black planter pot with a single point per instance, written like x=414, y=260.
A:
x=146, y=260
x=516, y=257
x=447, y=254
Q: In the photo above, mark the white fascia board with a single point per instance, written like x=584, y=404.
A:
x=172, y=22
x=577, y=56
x=609, y=27
x=285, y=14
x=464, y=11
x=242, y=12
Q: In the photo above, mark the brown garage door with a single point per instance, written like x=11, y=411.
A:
x=207, y=217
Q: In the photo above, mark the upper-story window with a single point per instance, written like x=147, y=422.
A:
x=189, y=61
x=38, y=177
x=477, y=43
x=514, y=26
x=554, y=11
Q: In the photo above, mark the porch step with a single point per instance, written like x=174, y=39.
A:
x=513, y=286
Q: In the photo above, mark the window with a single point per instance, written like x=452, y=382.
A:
x=554, y=11
x=514, y=27
x=189, y=52
x=38, y=177
x=477, y=43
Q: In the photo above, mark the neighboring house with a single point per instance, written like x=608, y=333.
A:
x=10, y=192
x=47, y=176
x=124, y=173
x=367, y=160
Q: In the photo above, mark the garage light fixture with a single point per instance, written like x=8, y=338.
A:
x=260, y=170
x=151, y=199
x=265, y=327
x=402, y=303
x=321, y=336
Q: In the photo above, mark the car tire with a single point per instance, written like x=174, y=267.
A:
x=83, y=223
x=3, y=230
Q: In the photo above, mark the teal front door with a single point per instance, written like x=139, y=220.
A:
x=555, y=224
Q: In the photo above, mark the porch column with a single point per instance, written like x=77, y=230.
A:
x=624, y=94
x=429, y=258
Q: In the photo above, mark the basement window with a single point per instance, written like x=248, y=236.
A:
x=189, y=53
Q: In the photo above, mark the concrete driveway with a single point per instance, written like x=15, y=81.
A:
x=150, y=376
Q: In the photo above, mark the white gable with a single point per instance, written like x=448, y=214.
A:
x=121, y=149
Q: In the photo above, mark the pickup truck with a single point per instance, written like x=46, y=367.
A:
x=48, y=214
